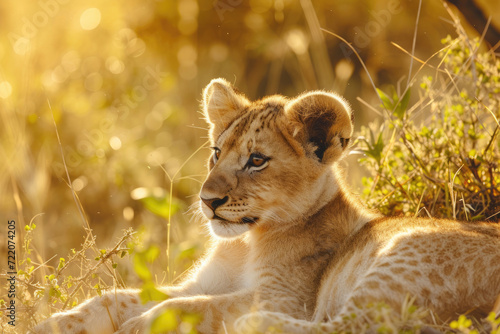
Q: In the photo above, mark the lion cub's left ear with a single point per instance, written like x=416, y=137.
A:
x=322, y=122
x=221, y=105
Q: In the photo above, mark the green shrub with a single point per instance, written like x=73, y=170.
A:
x=439, y=156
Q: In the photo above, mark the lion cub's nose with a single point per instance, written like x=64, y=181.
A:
x=214, y=203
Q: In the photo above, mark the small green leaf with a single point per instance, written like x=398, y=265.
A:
x=386, y=100
x=189, y=254
x=160, y=206
x=150, y=293
x=54, y=292
x=166, y=322
x=151, y=253
x=141, y=268
x=61, y=263
x=375, y=147
x=141, y=258
x=98, y=289
x=156, y=200
x=402, y=105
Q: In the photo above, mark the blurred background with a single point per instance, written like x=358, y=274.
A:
x=108, y=94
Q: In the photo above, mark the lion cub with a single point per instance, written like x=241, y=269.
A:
x=292, y=243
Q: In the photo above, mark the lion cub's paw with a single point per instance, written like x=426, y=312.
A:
x=72, y=323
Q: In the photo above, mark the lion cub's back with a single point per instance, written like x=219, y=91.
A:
x=448, y=266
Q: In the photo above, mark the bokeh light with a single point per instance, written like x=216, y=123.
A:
x=90, y=19
x=115, y=143
x=5, y=89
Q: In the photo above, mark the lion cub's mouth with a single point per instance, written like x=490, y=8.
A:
x=249, y=220
x=244, y=220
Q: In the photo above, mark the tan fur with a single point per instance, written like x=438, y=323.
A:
x=291, y=244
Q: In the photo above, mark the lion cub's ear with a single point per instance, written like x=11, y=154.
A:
x=322, y=122
x=221, y=104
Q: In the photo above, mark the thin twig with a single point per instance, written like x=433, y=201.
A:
x=101, y=261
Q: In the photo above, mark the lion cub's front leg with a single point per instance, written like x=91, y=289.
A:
x=218, y=274
x=99, y=315
x=104, y=314
x=218, y=312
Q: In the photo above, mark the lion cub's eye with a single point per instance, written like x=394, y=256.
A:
x=216, y=154
x=257, y=160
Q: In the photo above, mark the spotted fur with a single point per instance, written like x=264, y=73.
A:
x=291, y=246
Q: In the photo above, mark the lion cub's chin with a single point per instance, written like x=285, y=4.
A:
x=223, y=229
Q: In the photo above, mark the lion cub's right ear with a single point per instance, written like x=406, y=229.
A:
x=221, y=104
x=322, y=122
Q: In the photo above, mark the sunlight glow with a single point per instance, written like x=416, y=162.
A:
x=79, y=183
x=128, y=213
x=115, y=143
x=297, y=41
x=90, y=19
x=5, y=89
x=115, y=65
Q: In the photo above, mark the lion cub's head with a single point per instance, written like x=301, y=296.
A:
x=272, y=159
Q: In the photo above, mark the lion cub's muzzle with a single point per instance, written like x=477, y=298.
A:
x=211, y=204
